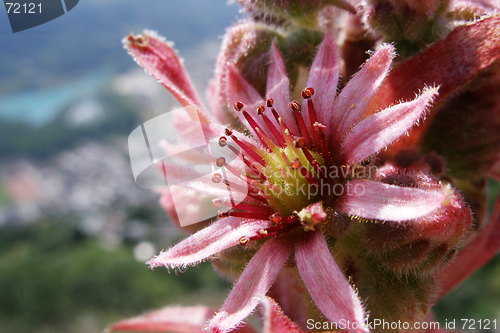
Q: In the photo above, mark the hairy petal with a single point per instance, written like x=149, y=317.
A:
x=275, y=321
x=160, y=60
x=173, y=319
x=239, y=89
x=278, y=88
x=253, y=284
x=375, y=200
x=381, y=129
x=478, y=7
x=352, y=101
x=476, y=254
x=327, y=285
x=450, y=64
x=218, y=236
x=324, y=77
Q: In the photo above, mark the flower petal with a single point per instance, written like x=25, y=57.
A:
x=381, y=129
x=323, y=78
x=160, y=60
x=450, y=64
x=253, y=283
x=375, y=200
x=239, y=90
x=352, y=101
x=278, y=88
x=218, y=236
x=173, y=319
x=327, y=285
x=478, y=7
x=476, y=254
x=275, y=321
x=288, y=291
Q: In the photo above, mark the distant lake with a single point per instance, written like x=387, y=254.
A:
x=41, y=106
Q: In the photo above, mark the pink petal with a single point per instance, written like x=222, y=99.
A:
x=352, y=101
x=327, y=285
x=477, y=6
x=253, y=284
x=218, y=236
x=450, y=64
x=323, y=78
x=381, y=129
x=275, y=321
x=375, y=200
x=173, y=319
x=160, y=60
x=278, y=89
x=288, y=291
x=475, y=255
x=239, y=90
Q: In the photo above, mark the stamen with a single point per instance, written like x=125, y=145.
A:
x=307, y=93
x=244, y=240
x=294, y=105
x=216, y=178
x=220, y=162
x=312, y=120
x=275, y=218
x=249, y=215
x=318, y=127
x=296, y=165
x=260, y=110
x=251, y=150
x=277, y=135
x=269, y=102
x=253, y=124
x=238, y=106
x=222, y=141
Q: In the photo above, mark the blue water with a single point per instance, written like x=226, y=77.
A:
x=41, y=106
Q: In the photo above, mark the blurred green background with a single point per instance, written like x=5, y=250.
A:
x=75, y=230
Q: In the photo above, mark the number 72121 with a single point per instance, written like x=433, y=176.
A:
x=24, y=8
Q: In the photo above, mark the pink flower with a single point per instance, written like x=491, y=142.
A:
x=295, y=145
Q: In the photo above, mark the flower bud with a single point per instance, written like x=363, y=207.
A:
x=412, y=24
x=247, y=45
x=466, y=131
x=298, y=12
x=421, y=245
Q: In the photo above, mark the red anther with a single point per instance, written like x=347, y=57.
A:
x=238, y=106
x=220, y=161
x=319, y=126
x=275, y=218
x=223, y=214
x=307, y=93
x=294, y=105
x=300, y=142
x=228, y=132
x=222, y=141
x=244, y=240
x=262, y=232
x=269, y=102
x=260, y=109
x=216, y=178
x=296, y=164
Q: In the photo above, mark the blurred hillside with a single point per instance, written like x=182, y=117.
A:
x=75, y=230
